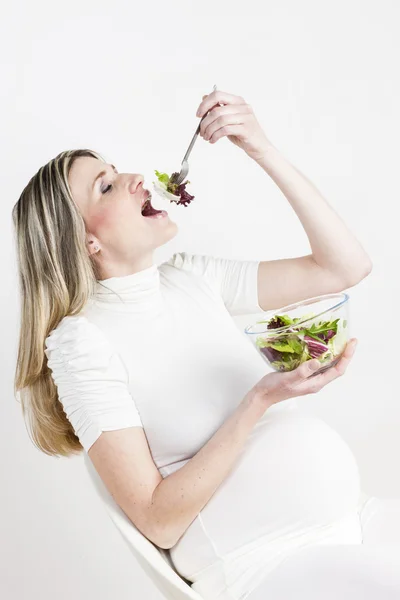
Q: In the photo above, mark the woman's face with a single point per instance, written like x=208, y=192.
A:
x=110, y=204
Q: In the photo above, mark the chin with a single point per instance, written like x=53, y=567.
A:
x=170, y=232
x=173, y=227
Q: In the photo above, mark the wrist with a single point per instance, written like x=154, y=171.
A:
x=267, y=156
x=257, y=402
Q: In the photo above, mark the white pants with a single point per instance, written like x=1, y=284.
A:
x=369, y=571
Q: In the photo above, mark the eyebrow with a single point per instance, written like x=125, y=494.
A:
x=101, y=175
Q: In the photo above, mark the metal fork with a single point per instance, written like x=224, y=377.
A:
x=185, y=165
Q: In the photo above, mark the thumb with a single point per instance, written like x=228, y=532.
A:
x=305, y=370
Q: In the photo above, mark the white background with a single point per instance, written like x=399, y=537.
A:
x=125, y=79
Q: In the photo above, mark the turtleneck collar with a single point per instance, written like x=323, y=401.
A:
x=137, y=291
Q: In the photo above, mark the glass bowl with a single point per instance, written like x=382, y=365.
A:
x=313, y=328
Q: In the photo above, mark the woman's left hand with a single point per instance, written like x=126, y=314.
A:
x=235, y=120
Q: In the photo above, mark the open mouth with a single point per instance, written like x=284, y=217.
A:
x=148, y=210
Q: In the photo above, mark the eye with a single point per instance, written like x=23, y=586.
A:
x=108, y=188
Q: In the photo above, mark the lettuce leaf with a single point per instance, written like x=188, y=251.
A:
x=180, y=191
x=288, y=349
x=162, y=177
x=282, y=343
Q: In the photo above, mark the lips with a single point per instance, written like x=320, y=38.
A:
x=146, y=198
x=147, y=209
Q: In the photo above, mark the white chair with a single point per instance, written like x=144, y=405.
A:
x=154, y=561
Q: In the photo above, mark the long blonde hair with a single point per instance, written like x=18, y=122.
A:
x=57, y=277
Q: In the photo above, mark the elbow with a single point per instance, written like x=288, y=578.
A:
x=163, y=537
x=352, y=276
x=367, y=267
x=360, y=273
x=166, y=544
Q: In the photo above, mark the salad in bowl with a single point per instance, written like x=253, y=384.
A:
x=314, y=328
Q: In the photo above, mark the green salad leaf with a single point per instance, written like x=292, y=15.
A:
x=169, y=185
x=280, y=321
x=283, y=344
x=162, y=177
x=287, y=349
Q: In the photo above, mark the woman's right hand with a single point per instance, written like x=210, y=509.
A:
x=275, y=387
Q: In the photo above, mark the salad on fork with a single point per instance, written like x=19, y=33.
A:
x=174, y=187
x=174, y=192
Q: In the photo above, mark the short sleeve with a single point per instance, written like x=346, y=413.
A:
x=234, y=280
x=91, y=380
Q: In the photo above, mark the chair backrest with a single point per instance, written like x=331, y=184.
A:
x=154, y=561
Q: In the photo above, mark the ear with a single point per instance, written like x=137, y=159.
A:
x=92, y=245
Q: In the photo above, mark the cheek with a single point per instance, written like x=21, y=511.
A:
x=111, y=218
x=104, y=219
x=98, y=221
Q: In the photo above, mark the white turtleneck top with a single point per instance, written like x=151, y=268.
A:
x=159, y=349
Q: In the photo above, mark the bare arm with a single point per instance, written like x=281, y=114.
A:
x=162, y=509
x=338, y=260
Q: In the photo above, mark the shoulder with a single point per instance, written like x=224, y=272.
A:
x=72, y=330
x=196, y=263
x=91, y=380
x=234, y=280
x=78, y=344
x=192, y=269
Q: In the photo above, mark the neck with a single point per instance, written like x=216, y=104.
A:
x=138, y=292
x=121, y=269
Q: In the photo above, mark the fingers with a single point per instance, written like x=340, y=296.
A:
x=227, y=130
x=214, y=98
x=305, y=380
x=304, y=371
x=346, y=357
x=351, y=347
x=223, y=116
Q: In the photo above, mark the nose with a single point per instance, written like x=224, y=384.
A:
x=135, y=182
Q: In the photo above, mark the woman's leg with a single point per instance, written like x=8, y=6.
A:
x=380, y=521
x=341, y=572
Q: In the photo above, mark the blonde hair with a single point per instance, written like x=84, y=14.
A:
x=57, y=277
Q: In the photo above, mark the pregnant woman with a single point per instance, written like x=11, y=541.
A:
x=142, y=367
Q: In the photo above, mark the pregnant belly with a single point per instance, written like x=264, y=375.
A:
x=295, y=475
